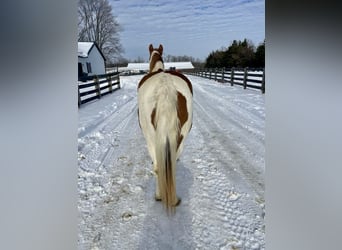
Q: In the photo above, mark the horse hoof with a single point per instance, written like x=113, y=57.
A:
x=157, y=198
x=178, y=202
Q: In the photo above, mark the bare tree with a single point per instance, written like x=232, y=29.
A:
x=139, y=60
x=96, y=22
x=184, y=58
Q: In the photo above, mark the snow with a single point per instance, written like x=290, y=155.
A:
x=83, y=48
x=220, y=175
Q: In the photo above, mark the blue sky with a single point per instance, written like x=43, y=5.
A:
x=188, y=27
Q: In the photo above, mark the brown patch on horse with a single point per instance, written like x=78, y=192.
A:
x=153, y=116
x=182, y=113
x=150, y=48
x=160, y=49
x=175, y=73
x=148, y=76
x=155, y=58
x=182, y=110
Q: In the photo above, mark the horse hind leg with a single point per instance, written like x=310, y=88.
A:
x=151, y=149
x=157, y=196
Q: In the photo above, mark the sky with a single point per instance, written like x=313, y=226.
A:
x=189, y=27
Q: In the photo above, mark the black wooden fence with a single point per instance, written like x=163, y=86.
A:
x=248, y=78
x=93, y=87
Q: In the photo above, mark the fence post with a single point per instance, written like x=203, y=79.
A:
x=263, y=82
x=245, y=78
x=97, y=86
x=110, y=85
x=118, y=76
x=210, y=73
x=223, y=75
x=79, y=97
x=232, y=77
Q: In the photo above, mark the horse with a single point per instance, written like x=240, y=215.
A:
x=165, y=118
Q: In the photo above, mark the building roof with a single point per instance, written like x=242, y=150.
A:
x=84, y=49
x=167, y=65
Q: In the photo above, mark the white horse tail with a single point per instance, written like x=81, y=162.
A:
x=167, y=127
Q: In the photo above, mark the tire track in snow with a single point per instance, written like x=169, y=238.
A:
x=106, y=187
x=248, y=111
x=103, y=121
x=113, y=216
x=227, y=194
x=222, y=204
x=230, y=118
x=100, y=143
x=228, y=148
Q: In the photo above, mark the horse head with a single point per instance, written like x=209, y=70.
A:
x=156, y=60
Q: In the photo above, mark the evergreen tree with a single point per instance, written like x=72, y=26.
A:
x=239, y=54
x=260, y=56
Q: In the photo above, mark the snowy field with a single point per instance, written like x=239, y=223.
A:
x=220, y=175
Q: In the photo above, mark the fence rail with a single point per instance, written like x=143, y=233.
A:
x=248, y=78
x=93, y=87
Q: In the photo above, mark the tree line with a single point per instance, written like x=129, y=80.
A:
x=166, y=58
x=239, y=54
x=96, y=22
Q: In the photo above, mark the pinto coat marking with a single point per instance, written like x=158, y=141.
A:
x=165, y=117
x=182, y=110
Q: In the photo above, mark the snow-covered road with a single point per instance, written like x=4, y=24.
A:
x=220, y=175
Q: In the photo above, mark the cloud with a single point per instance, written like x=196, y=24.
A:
x=194, y=28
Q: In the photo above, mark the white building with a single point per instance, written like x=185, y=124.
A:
x=167, y=66
x=91, y=61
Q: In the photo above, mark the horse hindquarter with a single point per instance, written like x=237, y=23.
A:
x=159, y=122
x=165, y=116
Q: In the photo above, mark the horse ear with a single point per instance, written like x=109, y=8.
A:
x=160, y=49
x=150, y=48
